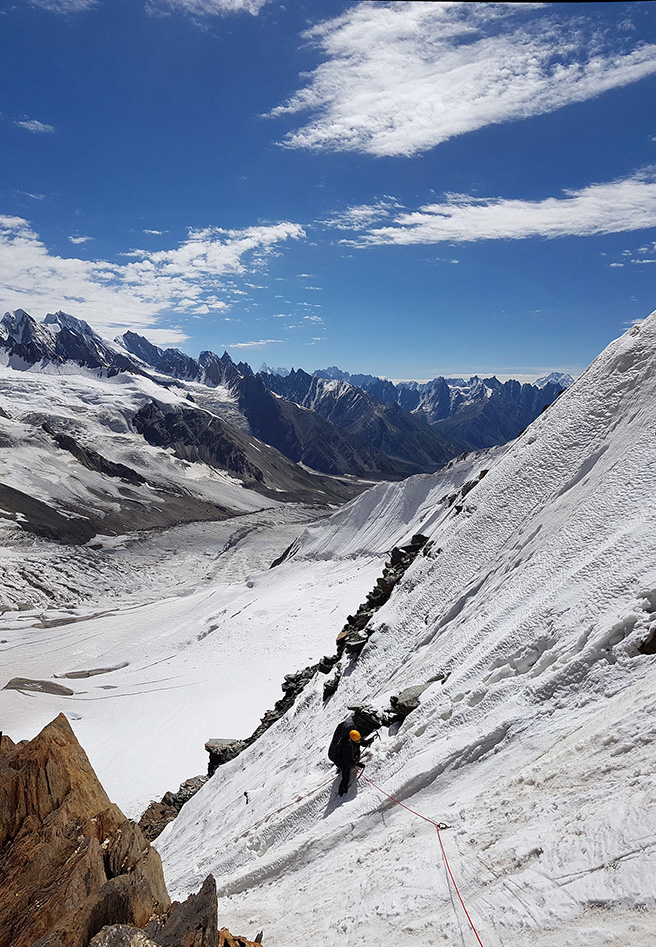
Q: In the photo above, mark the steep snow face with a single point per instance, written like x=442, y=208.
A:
x=389, y=513
x=535, y=598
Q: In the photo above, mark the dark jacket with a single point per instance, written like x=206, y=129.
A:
x=343, y=751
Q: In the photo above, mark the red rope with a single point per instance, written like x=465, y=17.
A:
x=439, y=838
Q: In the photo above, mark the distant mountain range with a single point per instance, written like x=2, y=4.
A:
x=332, y=422
x=477, y=413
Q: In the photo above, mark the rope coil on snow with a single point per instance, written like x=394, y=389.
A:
x=438, y=826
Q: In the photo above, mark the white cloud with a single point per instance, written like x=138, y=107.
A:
x=313, y=318
x=252, y=345
x=615, y=264
x=204, y=8
x=32, y=125
x=80, y=239
x=64, y=6
x=134, y=294
x=154, y=233
x=399, y=78
x=363, y=215
x=624, y=205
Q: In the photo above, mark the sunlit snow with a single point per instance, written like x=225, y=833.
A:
x=535, y=595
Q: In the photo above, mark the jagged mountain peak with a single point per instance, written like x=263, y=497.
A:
x=140, y=346
x=60, y=319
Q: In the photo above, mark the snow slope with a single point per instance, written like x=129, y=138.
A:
x=538, y=749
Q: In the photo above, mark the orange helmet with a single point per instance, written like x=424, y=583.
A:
x=355, y=736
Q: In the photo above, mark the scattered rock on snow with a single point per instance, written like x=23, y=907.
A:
x=355, y=633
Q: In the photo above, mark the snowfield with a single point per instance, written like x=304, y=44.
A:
x=538, y=749
x=534, y=597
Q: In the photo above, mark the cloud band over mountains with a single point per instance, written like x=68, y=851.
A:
x=189, y=279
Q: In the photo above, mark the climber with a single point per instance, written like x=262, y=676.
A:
x=344, y=751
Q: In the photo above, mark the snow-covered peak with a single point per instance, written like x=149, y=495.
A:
x=562, y=379
x=59, y=320
x=19, y=326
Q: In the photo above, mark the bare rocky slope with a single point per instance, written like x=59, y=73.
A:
x=74, y=870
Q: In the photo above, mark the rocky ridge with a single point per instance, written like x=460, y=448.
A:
x=73, y=870
x=350, y=642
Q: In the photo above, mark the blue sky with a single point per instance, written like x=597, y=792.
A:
x=407, y=189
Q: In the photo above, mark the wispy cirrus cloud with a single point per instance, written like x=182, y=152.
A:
x=363, y=215
x=624, y=205
x=252, y=345
x=205, y=8
x=32, y=125
x=400, y=78
x=189, y=278
x=77, y=240
x=65, y=6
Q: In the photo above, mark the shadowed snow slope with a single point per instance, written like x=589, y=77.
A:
x=535, y=597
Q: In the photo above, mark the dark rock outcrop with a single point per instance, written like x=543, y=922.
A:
x=158, y=814
x=221, y=751
x=192, y=923
x=91, y=459
x=70, y=860
x=408, y=700
x=355, y=633
x=155, y=819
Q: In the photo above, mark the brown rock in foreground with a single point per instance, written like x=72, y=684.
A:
x=226, y=939
x=70, y=862
x=192, y=923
